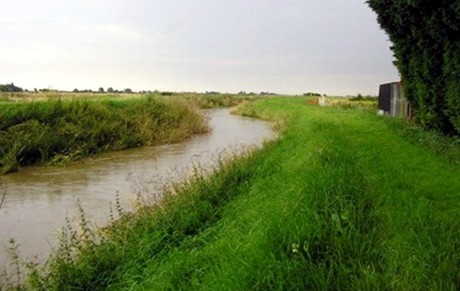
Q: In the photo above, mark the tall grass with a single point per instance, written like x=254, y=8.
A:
x=207, y=101
x=357, y=102
x=204, y=101
x=60, y=130
x=341, y=201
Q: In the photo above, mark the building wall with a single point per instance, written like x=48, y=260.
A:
x=385, y=98
x=392, y=101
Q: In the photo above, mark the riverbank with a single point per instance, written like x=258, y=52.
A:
x=343, y=199
x=57, y=130
x=39, y=200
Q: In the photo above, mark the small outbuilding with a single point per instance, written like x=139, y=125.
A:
x=392, y=100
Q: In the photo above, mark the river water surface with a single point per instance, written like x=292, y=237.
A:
x=40, y=198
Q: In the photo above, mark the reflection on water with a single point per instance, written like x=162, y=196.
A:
x=39, y=199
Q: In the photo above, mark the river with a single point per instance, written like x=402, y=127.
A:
x=39, y=199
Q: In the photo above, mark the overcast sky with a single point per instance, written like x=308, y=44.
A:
x=283, y=46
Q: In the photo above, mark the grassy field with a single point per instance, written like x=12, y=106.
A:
x=343, y=200
x=57, y=130
x=199, y=99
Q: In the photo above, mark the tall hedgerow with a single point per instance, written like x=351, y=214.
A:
x=426, y=43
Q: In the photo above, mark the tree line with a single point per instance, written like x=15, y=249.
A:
x=10, y=88
x=101, y=90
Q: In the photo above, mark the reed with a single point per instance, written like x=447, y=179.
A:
x=56, y=130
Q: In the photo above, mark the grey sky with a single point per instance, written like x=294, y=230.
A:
x=284, y=46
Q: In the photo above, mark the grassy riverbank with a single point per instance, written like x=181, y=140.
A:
x=343, y=200
x=58, y=130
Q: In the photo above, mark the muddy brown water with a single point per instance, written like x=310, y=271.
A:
x=39, y=199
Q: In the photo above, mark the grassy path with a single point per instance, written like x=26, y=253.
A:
x=343, y=200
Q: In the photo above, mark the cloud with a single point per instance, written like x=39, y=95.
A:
x=35, y=54
x=7, y=20
x=118, y=32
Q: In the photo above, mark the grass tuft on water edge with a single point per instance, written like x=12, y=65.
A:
x=56, y=131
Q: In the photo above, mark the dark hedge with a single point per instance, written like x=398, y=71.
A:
x=426, y=43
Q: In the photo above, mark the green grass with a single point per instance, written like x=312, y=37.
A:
x=207, y=101
x=57, y=131
x=199, y=99
x=343, y=200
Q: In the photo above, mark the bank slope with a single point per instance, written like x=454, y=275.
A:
x=342, y=200
x=60, y=130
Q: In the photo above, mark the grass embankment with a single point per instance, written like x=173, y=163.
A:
x=343, y=200
x=56, y=131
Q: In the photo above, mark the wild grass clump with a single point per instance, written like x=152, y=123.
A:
x=4, y=98
x=279, y=118
x=57, y=130
x=207, y=101
x=358, y=102
x=446, y=147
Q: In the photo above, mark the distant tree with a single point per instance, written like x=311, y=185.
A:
x=75, y=90
x=10, y=88
x=110, y=90
x=311, y=94
x=100, y=90
x=127, y=90
x=266, y=93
